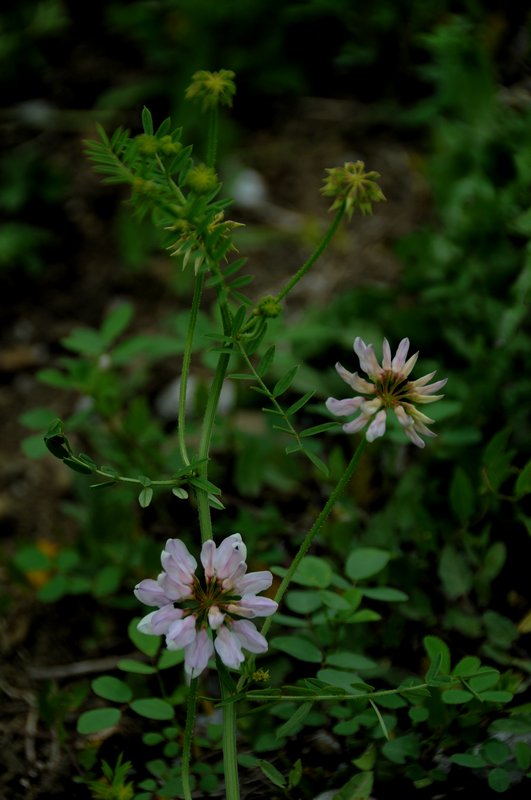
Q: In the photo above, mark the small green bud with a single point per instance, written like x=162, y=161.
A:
x=350, y=184
x=261, y=675
x=268, y=307
x=168, y=147
x=202, y=179
x=141, y=186
x=147, y=145
x=212, y=89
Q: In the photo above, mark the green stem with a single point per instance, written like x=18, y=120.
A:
x=315, y=255
x=205, y=523
x=187, y=357
x=212, y=138
x=316, y=527
x=276, y=405
x=230, y=751
x=188, y=734
x=318, y=698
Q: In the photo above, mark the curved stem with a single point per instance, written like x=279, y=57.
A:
x=187, y=357
x=315, y=255
x=316, y=527
x=188, y=733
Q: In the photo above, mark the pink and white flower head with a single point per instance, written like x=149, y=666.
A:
x=388, y=387
x=200, y=617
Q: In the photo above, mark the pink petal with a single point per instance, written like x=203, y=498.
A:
x=354, y=380
x=400, y=358
x=144, y=626
x=238, y=572
x=151, y=593
x=386, y=361
x=181, y=633
x=404, y=419
x=197, y=653
x=177, y=562
x=208, y=551
x=230, y=554
x=253, y=582
x=342, y=408
x=413, y=435
x=164, y=618
x=356, y=424
x=215, y=618
x=408, y=366
x=249, y=637
x=229, y=648
x=377, y=427
x=252, y=606
x=368, y=361
x=179, y=552
x=174, y=590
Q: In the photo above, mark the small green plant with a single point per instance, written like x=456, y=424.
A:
x=351, y=550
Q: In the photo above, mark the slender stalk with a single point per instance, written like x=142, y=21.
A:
x=297, y=698
x=205, y=523
x=230, y=751
x=276, y=405
x=188, y=734
x=316, y=527
x=314, y=256
x=187, y=357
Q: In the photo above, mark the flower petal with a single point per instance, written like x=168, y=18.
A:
x=377, y=426
x=253, y=582
x=356, y=424
x=229, y=555
x=164, y=618
x=252, y=606
x=386, y=361
x=181, y=633
x=249, y=637
x=197, y=653
x=354, y=380
x=342, y=408
x=399, y=360
x=215, y=617
x=229, y=648
x=368, y=361
x=208, y=551
x=151, y=593
x=174, y=590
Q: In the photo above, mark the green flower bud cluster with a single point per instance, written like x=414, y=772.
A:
x=354, y=187
x=150, y=145
x=212, y=89
x=202, y=179
x=268, y=307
